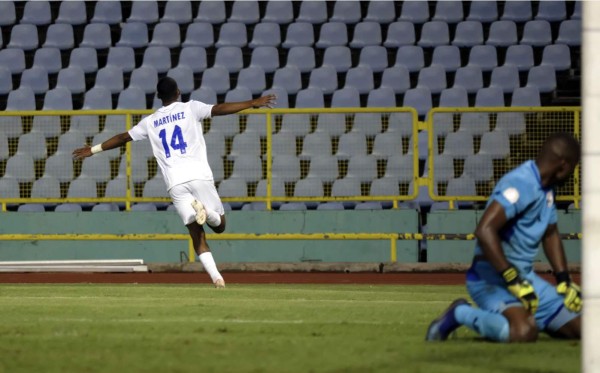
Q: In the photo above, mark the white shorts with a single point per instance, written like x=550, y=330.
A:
x=201, y=190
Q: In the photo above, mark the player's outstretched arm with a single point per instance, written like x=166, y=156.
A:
x=233, y=107
x=555, y=252
x=114, y=142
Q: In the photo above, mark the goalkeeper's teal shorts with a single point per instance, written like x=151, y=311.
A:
x=486, y=287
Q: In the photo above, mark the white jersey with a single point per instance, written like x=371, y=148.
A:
x=175, y=133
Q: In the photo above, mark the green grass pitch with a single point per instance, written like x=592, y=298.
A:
x=250, y=328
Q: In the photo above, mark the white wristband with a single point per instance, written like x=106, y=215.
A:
x=97, y=148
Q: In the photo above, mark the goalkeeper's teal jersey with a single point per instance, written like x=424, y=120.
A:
x=529, y=209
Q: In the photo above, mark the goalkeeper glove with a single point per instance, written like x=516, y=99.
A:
x=521, y=289
x=569, y=290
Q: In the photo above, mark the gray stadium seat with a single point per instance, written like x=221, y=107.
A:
x=489, y=97
x=7, y=13
x=281, y=96
x=537, y=33
x=145, y=78
x=247, y=168
x=216, y=77
x=351, y=144
x=211, y=11
x=361, y=78
x=157, y=57
x=253, y=79
x=311, y=97
x=434, y=33
x=257, y=123
x=483, y=11
x=24, y=36
x=314, y=12
x=381, y=97
x=265, y=35
x=309, y=187
x=155, y=187
x=233, y=188
x=35, y=78
x=400, y=34
x=194, y=58
x=21, y=99
x=454, y=97
x=134, y=35
x=411, y=57
x=331, y=206
x=277, y=188
x=244, y=12
x=347, y=187
x=521, y=56
x=462, y=186
x=332, y=34
x=346, y=12
x=199, y=34
x=502, y=33
x=68, y=207
x=179, y=12
x=144, y=11
x=468, y=33
x=299, y=34
x=238, y=94
x=324, y=78
x=48, y=58
x=166, y=34
x=230, y=58
x=72, y=78
x=286, y=167
x=295, y=124
x=367, y=123
x=110, y=77
x=448, y=11
x=70, y=141
x=108, y=12
x=418, y=98
x=443, y=168
x=72, y=13
x=374, y=56
x=382, y=12
x=267, y=58
x=122, y=57
x=552, y=11
x=495, y=144
x=557, y=56
x=204, y=94
x=315, y=145
x=386, y=186
x=132, y=98
x=60, y=35
x=6, y=84
x=245, y=145
x=45, y=187
x=333, y=124
x=345, y=97
x=387, y=145
x=288, y=78
x=483, y=56
x=400, y=168
x=37, y=13
x=475, y=123
x=433, y=78
x=577, y=10
x=526, y=96
x=517, y=11
x=228, y=126
x=414, y=11
x=293, y=206
x=506, y=78
x=106, y=207
x=543, y=77
x=31, y=207
x=20, y=167
x=370, y=205
x=184, y=76
x=362, y=167
x=479, y=167
x=232, y=34
x=97, y=36
x=339, y=57
x=9, y=188
x=324, y=168
x=86, y=59
x=447, y=56
x=569, y=33
x=280, y=12
x=144, y=207
x=397, y=78
x=458, y=145
x=365, y=34
x=510, y=123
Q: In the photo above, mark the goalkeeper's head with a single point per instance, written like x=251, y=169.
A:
x=167, y=90
x=557, y=158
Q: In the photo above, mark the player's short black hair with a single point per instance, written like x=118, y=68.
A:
x=562, y=145
x=166, y=89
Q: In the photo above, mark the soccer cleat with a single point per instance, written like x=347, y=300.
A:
x=200, y=212
x=443, y=326
x=220, y=283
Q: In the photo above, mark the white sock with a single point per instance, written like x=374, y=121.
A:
x=212, y=217
x=210, y=266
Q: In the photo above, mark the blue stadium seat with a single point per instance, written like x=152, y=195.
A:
x=387, y=145
x=526, y=96
x=7, y=13
x=363, y=168
x=434, y=33
x=315, y=145
x=475, y=123
x=6, y=84
x=244, y=12
x=382, y=12
x=397, y=78
x=418, y=98
x=199, y=34
x=569, y=33
x=145, y=78
x=110, y=77
x=332, y=34
x=35, y=78
x=232, y=34
x=267, y=58
x=479, y=167
x=108, y=12
x=280, y=12
x=368, y=124
x=469, y=77
x=204, y=94
x=495, y=144
x=48, y=58
x=333, y=124
x=123, y=57
x=20, y=167
x=468, y=33
x=265, y=35
x=324, y=168
x=502, y=33
x=454, y=97
x=212, y=12
x=552, y=11
x=510, y=123
x=179, y=12
x=365, y=34
x=252, y=78
x=286, y=167
x=448, y=11
x=415, y=12
x=144, y=11
x=483, y=11
x=433, y=78
x=345, y=97
x=134, y=35
x=557, y=56
x=72, y=12
x=37, y=13
x=537, y=33
x=247, y=168
x=24, y=36
x=339, y=57
x=375, y=57
x=299, y=34
x=506, y=78
x=96, y=35
x=458, y=145
x=60, y=35
x=84, y=58
x=301, y=57
x=157, y=57
x=543, y=77
x=295, y=124
x=382, y=97
x=489, y=97
x=483, y=56
x=194, y=58
x=447, y=56
x=21, y=99
x=288, y=78
x=399, y=34
x=132, y=98
x=324, y=78
x=517, y=11
x=314, y=12
x=521, y=56
x=361, y=78
x=166, y=34
x=411, y=57
x=351, y=144
x=238, y=94
x=311, y=97
x=58, y=98
x=231, y=58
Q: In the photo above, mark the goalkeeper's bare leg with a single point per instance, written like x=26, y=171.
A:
x=203, y=251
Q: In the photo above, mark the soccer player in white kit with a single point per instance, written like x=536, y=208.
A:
x=175, y=133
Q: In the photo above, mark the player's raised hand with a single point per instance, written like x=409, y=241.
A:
x=570, y=291
x=81, y=153
x=268, y=101
x=521, y=289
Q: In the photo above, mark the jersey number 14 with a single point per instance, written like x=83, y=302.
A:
x=177, y=142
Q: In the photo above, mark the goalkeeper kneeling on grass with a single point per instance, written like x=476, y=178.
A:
x=514, y=302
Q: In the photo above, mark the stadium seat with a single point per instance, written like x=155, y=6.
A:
x=245, y=145
x=382, y=12
x=299, y=34
x=483, y=56
x=110, y=77
x=551, y=11
x=265, y=35
x=228, y=125
x=495, y=144
x=526, y=96
x=411, y=57
x=21, y=99
x=280, y=95
x=37, y=13
x=230, y=58
x=179, y=12
x=204, y=94
x=280, y=12
x=502, y=33
x=132, y=98
x=157, y=57
x=232, y=34
x=543, y=77
x=443, y=168
x=365, y=34
x=69, y=141
x=311, y=97
x=448, y=11
x=9, y=188
x=108, y=12
x=7, y=13
x=363, y=168
x=244, y=12
x=483, y=11
x=58, y=98
x=309, y=187
x=461, y=186
x=301, y=57
x=199, y=34
x=134, y=35
x=166, y=34
x=277, y=188
x=454, y=97
x=252, y=78
x=256, y=123
x=489, y=97
x=6, y=84
x=434, y=33
x=537, y=33
x=345, y=97
x=217, y=78
x=35, y=78
x=286, y=167
x=375, y=57
x=238, y=94
x=31, y=207
x=443, y=123
x=397, y=78
x=387, y=145
x=98, y=138
x=293, y=206
x=346, y=12
x=399, y=33
x=475, y=123
x=351, y=144
x=415, y=12
x=385, y=186
x=433, y=78
x=314, y=12
x=360, y=78
x=86, y=59
x=97, y=98
x=506, y=78
x=106, y=207
x=212, y=12
x=184, y=76
x=468, y=33
x=288, y=77
x=68, y=207
x=339, y=57
x=458, y=145
x=315, y=145
x=332, y=34
x=479, y=167
x=347, y=187
x=20, y=167
x=324, y=78
x=267, y=58
x=510, y=123
x=330, y=206
x=48, y=58
x=96, y=168
x=121, y=56
x=23, y=36
x=145, y=78
x=295, y=124
x=333, y=124
x=144, y=11
x=557, y=56
x=155, y=187
x=324, y=168
x=447, y=56
x=97, y=36
x=577, y=10
x=569, y=33
x=521, y=56
x=517, y=11
x=72, y=78
x=60, y=35
x=418, y=98
x=382, y=97
x=368, y=124
x=247, y=168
